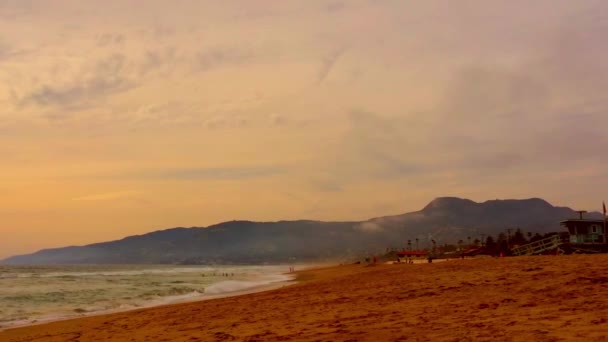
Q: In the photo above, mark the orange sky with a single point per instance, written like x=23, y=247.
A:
x=122, y=117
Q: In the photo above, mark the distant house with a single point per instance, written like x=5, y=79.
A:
x=585, y=232
x=410, y=254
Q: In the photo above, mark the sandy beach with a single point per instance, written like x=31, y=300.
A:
x=544, y=298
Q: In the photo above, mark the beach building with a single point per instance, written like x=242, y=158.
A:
x=409, y=254
x=585, y=232
x=583, y=236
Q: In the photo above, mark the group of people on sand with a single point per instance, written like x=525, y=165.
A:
x=369, y=260
x=407, y=260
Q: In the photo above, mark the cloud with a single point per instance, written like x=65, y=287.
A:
x=171, y=112
x=108, y=196
x=382, y=147
x=13, y=9
x=328, y=63
x=188, y=174
x=96, y=83
x=545, y=111
x=524, y=117
x=215, y=57
x=9, y=51
x=327, y=184
x=75, y=96
x=277, y=120
x=369, y=227
x=158, y=59
x=161, y=31
x=285, y=121
x=374, y=148
x=110, y=39
x=224, y=173
x=5, y=50
x=335, y=6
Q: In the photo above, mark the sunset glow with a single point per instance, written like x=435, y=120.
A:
x=122, y=117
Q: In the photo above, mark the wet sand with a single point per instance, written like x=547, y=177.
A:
x=548, y=298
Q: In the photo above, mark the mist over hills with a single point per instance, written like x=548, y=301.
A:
x=445, y=219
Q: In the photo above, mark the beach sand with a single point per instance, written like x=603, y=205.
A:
x=544, y=298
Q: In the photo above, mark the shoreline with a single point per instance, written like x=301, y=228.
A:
x=289, y=279
x=294, y=278
x=203, y=297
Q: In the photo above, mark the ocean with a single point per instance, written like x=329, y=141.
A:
x=34, y=294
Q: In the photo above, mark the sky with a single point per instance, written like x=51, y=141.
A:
x=120, y=117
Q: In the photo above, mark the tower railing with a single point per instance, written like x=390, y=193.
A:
x=537, y=247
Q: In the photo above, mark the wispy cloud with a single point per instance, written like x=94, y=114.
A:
x=5, y=50
x=336, y=6
x=158, y=59
x=108, y=196
x=110, y=39
x=214, y=57
x=328, y=63
x=11, y=10
x=106, y=77
x=188, y=174
x=75, y=96
x=369, y=227
x=221, y=173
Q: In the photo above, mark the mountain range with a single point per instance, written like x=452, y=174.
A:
x=445, y=220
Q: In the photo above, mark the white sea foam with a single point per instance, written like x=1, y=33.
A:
x=240, y=285
x=108, y=273
x=34, y=294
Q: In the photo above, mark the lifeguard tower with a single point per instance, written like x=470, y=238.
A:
x=584, y=236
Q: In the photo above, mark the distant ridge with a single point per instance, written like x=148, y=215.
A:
x=444, y=219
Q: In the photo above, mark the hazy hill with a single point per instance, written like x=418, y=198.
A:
x=445, y=219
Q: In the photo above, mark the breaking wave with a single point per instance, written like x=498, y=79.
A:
x=240, y=285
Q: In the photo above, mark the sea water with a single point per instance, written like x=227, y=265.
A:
x=33, y=294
